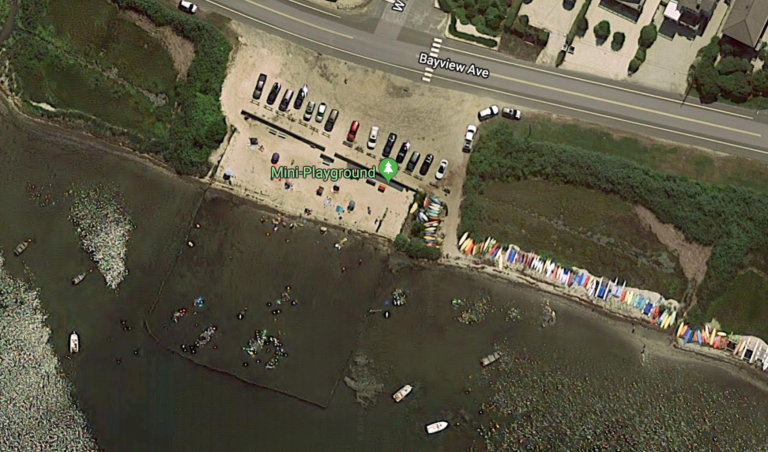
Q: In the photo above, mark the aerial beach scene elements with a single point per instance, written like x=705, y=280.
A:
x=265, y=242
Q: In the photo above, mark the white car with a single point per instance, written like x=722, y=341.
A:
x=510, y=113
x=488, y=113
x=469, y=138
x=320, y=112
x=372, y=137
x=441, y=169
x=187, y=7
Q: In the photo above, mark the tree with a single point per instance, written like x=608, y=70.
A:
x=704, y=78
x=509, y=22
x=736, y=86
x=760, y=83
x=483, y=6
x=492, y=19
x=602, y=30
x=634, y=65
x=648, y=35
x=618, y=41
x=730, y=64
x=582, y=25
x=710, y=51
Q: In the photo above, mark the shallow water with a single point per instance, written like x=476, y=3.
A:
x=158, y=400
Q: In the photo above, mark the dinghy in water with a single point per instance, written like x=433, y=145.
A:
x=74, y=343
x=21, y=247
x=79, y=278
x=404, y=391
x=436, y=427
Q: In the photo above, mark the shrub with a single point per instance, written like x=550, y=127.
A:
x=444, y=6
x=640, y=55
x=478, y=39
x=634, y=65
x=560, y=58
x=760, y=83
x=762, y=54
x=542, y=38
x=574, y=28
x=416, y=248
x=729, y=65
x=711, y=51
x=602, y=30
x=618, y=41
x=648, y=35
x=582, y=25
x=735, y=86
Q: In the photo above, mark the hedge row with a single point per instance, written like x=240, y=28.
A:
x=731, y=219
x=580, y=18
x=478, y=39
x=416, y=248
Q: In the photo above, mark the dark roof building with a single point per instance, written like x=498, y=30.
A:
x=747, y=21
x=694, y=13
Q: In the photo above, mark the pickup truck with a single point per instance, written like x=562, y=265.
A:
x=469, y=138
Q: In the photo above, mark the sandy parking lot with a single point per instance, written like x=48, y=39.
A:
x=414, y=110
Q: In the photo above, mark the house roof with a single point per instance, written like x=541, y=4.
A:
x=634, y=4
x=746, y=21
x=698, y=5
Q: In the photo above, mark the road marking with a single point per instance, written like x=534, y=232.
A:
x=634, y=107
x=429, y=69
x=438, y=40
x=459, y=82
x=436, y=45
x=433, y=54
x=614, y=118
x=287, y=16
x=606, y=85
x=426, y=79
x=316, y=9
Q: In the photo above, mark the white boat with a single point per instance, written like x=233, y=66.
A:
x=490, y=359
x=437, y=427
x=21, y=247
x=79, y=278
x=404, y=391
x=74, y=343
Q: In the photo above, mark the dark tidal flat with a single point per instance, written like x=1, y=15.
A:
x=237, y=268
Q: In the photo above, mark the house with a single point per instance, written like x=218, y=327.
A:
x=747, y=21
x=695, y=14
x=635, y=6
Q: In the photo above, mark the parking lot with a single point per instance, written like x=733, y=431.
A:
x=373, y=98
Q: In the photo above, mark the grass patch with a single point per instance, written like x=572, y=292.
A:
x=742, y=306
x=519, y=48
x=684, y=161
x=96, y=30
x=582, y=228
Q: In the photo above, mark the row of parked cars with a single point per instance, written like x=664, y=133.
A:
x=485, y=114
x=301, y=96
x=373, y=137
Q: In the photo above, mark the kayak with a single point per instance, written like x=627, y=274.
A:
x=414, y=207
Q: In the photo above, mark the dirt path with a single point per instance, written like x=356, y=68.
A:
x=7, y=29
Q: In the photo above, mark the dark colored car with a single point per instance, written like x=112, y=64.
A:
x=259, y=86
x=413, y=161
x=331, y=120
x=275, y=158
x=300, y=96
x=353, y=131
x=427, y=163
x=286, y=100
x=391, y=139
x=403, y=151
x=273, y=93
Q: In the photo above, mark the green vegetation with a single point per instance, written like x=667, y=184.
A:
x=487, y=16
x=742, y=304
x=648, y=35
x=5, y=9
x=581, y=21
x=478, y=39
x=618, y=41
x=602, y=30
x=86, y=60
x=582, y=25
x=730, y=219
x=415, y=248
x=732, y=78
x=522, y=29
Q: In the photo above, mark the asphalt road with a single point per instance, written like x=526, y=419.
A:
x=381, y=45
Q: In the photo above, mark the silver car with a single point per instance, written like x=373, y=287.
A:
x=308, y=112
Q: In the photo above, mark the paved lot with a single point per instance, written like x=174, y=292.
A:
x=667, y=61
x=550, y=15
x=602, y=60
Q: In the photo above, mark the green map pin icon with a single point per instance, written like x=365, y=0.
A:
x=388, y=169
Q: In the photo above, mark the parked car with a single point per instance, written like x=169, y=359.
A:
x=273, y=93
x=403, y=151
x=469, y=138
x=510, y=113
x=300, y=96
x=488, y=113
x=286, y=100
x=413, y=161
x=308, y=112
x=427, y=163
x=275, y=158
x=259, y=86
x=441, y=169
x=391, y=139
x=331, y=120
x=187, y=7
x=372, y=137
x=320, y=112
x=353, y=131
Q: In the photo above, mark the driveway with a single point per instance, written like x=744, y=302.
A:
x=550, y=15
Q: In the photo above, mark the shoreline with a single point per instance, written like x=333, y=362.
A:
x=10, y=110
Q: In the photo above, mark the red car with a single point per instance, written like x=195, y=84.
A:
x=353, y=131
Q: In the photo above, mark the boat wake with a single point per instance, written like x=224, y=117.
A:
x=37, y=412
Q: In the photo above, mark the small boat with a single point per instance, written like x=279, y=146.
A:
x=490, y=359
x=404, y=391
x=79, y=278
x=21, y=247
x=436, y=427
x=74, y=343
